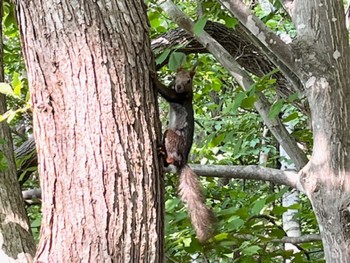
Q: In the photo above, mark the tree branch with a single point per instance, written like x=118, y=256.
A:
x=298, y=240
x=250, y=172
x=31, y=194
x=273, y=47
x=238, y=44
x=262, y=105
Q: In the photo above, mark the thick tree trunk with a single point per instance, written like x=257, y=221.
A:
x=17, y=242
x=322, y=50
x=94, y=124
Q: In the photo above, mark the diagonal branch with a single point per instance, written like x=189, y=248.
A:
x=279, y=52
x=262, y=105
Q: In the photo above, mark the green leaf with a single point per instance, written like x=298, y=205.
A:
x=160, y=59
x=170, y=204
x=291, y=117
x=191, y=245
x=176, y=60
x=275, y=109
x=187, y=241
x=6, y=89
x=36, y=223
x=16, y=84
x=252, y=250
x=198, y=27
x=293, y=97
x=217, y=140
x=279, y=210
x=238, y=101
x=234, y=222
x=221, y=236
x=248, y=103
x=258, y=206
x=230, y=22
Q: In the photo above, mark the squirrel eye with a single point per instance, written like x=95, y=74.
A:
x=188, y=81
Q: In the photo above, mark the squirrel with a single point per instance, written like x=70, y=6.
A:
x=177, y=142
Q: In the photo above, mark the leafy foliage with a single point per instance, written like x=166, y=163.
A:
x=229, y=131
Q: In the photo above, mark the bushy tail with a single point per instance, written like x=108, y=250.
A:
x=201, y=216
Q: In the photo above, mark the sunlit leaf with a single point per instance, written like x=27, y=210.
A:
x=160, y=59
x=275, y=109
x=6, y=89
x=252, y=250
x=198, y=27
x=258, y=206
x=176, y=60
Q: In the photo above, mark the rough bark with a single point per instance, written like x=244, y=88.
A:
x=94, y=116
x=323, y=56
x=16, y=240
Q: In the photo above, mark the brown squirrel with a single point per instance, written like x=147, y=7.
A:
x=177, y=140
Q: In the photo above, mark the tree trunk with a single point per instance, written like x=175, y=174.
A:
x=323, y=53
x=94, y=124
x=17, y=242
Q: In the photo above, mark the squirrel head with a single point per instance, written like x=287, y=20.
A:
x=183, y=81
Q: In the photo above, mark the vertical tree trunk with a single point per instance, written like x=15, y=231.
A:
x=17, y=242
x=323, y=53
x=94, y=123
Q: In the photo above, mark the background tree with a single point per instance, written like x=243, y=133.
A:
x=17, y=243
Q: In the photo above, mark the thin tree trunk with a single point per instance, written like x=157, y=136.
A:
x=94, y=124
x=17, y=242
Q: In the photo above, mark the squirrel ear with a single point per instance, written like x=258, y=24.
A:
x=179, y=69
x=193, y=70
x=192, y=73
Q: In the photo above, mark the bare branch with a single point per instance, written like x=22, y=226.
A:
x=292, y=240
x=250, y=172
x=262, y=105
x=298, y=240
x=279, y=52
x=31, y=194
